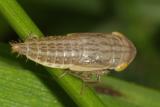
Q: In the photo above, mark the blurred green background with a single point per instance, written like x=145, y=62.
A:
x=139, y=20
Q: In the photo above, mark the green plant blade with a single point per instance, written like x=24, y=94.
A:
x=21, y=87
x=129, y=94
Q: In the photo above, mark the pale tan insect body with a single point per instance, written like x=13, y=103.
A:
x=80, y=52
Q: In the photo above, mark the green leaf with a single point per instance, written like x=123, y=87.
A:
x=129, y=94
x=21, y=87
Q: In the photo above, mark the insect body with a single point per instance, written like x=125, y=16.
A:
x=85, y=54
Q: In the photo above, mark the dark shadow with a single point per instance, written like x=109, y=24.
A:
x=106, y=90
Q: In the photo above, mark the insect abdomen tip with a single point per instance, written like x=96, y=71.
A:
x=15, y=47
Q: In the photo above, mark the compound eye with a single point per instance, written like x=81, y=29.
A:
x=121, y=67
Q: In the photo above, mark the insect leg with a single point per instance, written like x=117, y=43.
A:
x=64, y=73
x=97, y=75
x=31, y=37
x=82, y=87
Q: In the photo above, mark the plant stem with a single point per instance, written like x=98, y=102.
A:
x=24, y=26
x=18, y=19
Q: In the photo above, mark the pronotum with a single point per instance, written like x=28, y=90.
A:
x=84, y=54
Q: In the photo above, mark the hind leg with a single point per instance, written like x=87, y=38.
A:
x=64, y=73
